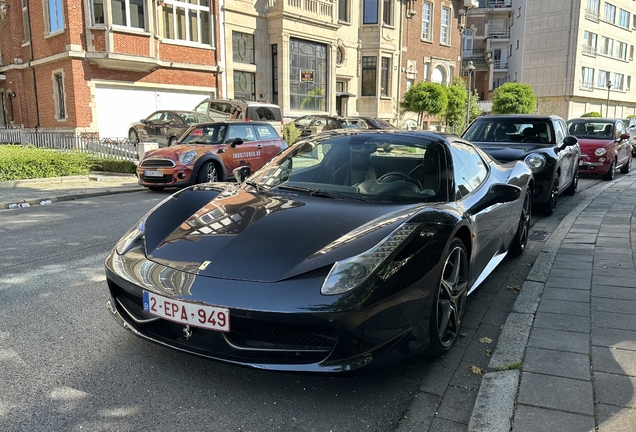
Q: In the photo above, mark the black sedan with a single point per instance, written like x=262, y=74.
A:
x=343, y=248
x=542, y=142
x=164, y=127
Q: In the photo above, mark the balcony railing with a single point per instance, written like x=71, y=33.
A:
x=589, y=50
x=500, y=64
x=592, y=15
x=473, y=53
x=499, y=3
x=321, y=8
x=499, y=33
x=587, y=85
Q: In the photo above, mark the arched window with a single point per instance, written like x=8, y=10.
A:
x=439, y=75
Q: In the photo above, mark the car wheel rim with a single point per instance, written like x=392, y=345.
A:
x=132, y=136
x=524, y=223
x=575, y=180
x=211, y=173
x=555, y=193
x=452, y=297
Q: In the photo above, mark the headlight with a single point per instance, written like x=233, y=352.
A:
x=133, y=238
x=187, y=157
x=600, y=151
x=350, y=273
x=536, y=162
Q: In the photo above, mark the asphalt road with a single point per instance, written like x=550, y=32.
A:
x=66, y=365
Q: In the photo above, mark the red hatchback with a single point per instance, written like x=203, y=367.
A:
x=605, y=145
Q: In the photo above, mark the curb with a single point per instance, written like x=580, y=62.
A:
x=494, y=407
x=74, y=196
x=93, y=176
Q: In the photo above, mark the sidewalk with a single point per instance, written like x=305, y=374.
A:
x=33, y=192
x=566, y=357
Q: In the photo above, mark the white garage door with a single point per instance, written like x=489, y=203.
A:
x=117, y=107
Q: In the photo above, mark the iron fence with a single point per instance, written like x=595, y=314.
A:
x=92, y=143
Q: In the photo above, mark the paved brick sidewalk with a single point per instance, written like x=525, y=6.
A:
x=569, y=346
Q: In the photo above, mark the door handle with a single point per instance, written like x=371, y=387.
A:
x=259, y=146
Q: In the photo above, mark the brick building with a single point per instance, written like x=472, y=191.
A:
x=98, y=65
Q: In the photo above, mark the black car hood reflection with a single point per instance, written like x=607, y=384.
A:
x=275, y=236
x=507, y=152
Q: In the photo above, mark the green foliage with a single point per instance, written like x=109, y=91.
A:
x=511, y=366
x=514, y=98
x=631, y=116
x=18, y=162
x=592, y=114
x=290, y=133
x=455, y=113
x=425, y=97
x=310, y=102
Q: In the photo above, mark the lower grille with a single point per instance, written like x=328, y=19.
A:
x=164, y=179
x=157, y=163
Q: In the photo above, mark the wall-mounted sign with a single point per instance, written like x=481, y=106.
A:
x=306, y=76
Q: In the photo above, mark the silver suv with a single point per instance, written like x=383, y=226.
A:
x=236, y=109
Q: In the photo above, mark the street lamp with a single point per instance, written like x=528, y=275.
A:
x=469, y=68
x=609, y=86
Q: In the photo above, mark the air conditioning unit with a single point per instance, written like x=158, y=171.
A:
x=410, y=13
x=470, y=4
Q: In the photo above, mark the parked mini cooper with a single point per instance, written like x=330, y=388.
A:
x=209, y=152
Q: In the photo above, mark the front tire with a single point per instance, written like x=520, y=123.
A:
x=208, y=173
x=611, y=171
x=449, y=302
x=520, y=241
x=549, y=207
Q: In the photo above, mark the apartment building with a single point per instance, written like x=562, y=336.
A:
x=344, y=57
x=98, y=65
x=578, y=55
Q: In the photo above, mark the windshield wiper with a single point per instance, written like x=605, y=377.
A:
x=321, y=193
x=256, y=186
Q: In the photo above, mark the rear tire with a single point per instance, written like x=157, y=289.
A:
x=571, y=190
x=449, y=303
x=172, y=141
x=133, y=136
x=520, y=241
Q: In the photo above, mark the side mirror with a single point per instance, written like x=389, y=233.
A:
x=498, y=193
x=569, y=140
x=624, y=136
x=142, y=121
x=236, y=141
x=241, y=173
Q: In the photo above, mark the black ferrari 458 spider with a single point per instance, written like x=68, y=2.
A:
x=343, y=248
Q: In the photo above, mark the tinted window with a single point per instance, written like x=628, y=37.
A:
x=510, y=129
x=241, y=130
x=303, y=121
x=202, y=107
x=266, y=132
x=469, y=168
x=263, y=113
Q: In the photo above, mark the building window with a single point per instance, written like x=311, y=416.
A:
x=97, y=12
x=244, y=85
x=589, y=43
x=609, y=13
x=343, y=10
x=427, y=71
x=387, y=12
x=621, y=50
x=369, y=67
x=370, y=12
x=617, y=81
x=25, y=22
x=439, y=75
x=340, y=55
x=427, y=9
x=186, y=21
x=629, y=82
x=623, y=18
x=308, y=75
x=129, y=13
x=59, y=96
x=603, y=77
x=592, y=10
x=409, y=83
x=54, y=16
x=385, y=76
x=444, y=37
x=467, y=43
x=607, y=46
x=587, y=80
x=242, y=47
x=275, y=74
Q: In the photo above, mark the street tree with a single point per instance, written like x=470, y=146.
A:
x=425, y=97
x=455, y=113
x=514, y=98
x=592, y=114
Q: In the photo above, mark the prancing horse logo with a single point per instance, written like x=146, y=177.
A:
x=187, y=332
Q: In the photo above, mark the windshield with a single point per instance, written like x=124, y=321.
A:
x=591, y=129
x=206, y=134
x=365, y=166
x=510, y=130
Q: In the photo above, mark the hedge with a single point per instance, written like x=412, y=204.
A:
x=19, y=162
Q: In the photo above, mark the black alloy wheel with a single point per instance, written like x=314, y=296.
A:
x=611, y=171
x=550, y=206
x=450, y=300
x=520, y=241
x=571, y=190
x=208, y=173
x=628, y=166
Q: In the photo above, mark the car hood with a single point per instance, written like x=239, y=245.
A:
x=511, y=151
x=265, y=237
